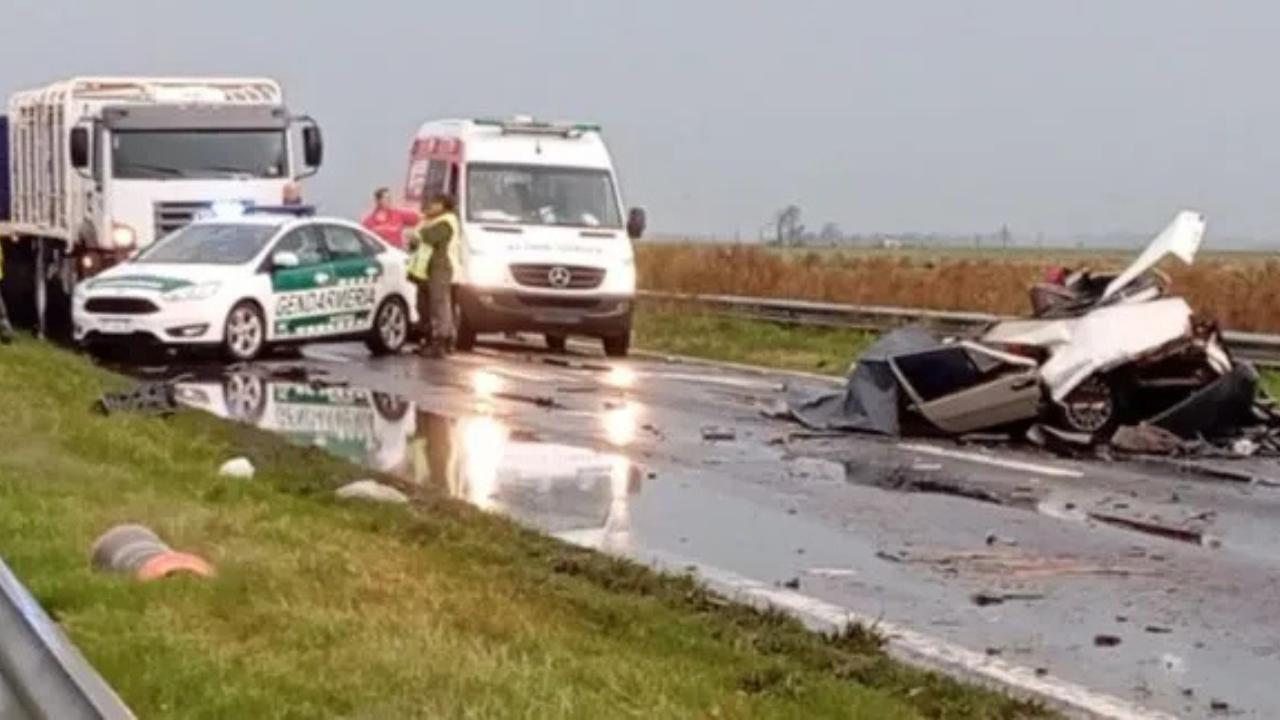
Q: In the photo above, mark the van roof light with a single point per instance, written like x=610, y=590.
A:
x=526, y=125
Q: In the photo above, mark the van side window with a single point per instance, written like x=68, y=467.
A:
x=437, y=174
x=452, y=187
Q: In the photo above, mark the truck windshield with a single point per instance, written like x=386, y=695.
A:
x=542, y=195
x=210, y=244
x=198, y=154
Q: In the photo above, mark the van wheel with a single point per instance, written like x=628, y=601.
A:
x=245, y=334
x=464, y=334
x=617, y=346
x=557, y=343
x=390, y=327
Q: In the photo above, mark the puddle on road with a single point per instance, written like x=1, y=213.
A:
x=552, y=487
x=593, y=498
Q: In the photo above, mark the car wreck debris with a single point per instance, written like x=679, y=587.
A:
x=145, y=398
x=371, y=490
x=237, y=468
x=1104, y=361
x=136, y=551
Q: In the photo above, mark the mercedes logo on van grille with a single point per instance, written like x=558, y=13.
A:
x=559, y=277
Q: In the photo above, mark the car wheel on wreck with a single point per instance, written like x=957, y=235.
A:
x=1093, y=408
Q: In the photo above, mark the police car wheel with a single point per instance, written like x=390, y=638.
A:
x=390, y=327
x=245, y=332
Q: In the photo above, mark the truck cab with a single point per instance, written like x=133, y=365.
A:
x=156, y=165
x=546, y=245
x=101, y=167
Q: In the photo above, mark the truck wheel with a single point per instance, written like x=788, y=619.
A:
x=245, y=334
x=390, y=327
x=557, y=343
x=617, y=346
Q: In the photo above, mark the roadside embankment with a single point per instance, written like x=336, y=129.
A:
x=326, y=607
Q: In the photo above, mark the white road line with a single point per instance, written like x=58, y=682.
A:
x=743, y=383
x=919, y=649
x=1037, y=468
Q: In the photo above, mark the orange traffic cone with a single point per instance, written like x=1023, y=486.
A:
x=137, y=551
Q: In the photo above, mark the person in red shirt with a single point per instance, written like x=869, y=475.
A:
x=387, y=222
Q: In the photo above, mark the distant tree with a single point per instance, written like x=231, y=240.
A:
x=830, y=234
x=787, y=226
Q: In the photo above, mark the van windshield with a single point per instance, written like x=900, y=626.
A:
x=542, y=195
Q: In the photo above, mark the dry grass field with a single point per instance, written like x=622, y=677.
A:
x=1242, y=290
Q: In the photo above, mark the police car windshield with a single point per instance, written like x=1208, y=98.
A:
x=210, y=244
x=542, y=195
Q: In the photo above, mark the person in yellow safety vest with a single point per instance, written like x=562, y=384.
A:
x=6, y=328
x=433, y=253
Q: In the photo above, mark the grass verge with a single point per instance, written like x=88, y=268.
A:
x=323, y=608
x=806, y=349
x=718, y=337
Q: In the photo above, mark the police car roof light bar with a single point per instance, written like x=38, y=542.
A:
x=294, y=210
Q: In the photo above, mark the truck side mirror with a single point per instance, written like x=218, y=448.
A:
x=312, y=146
x=79, y=148
x=635, y=223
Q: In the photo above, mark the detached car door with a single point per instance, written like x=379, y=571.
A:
x=357, y=274
x=965, y=387
x=299, y=305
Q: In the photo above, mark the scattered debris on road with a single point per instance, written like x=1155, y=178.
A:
x=986, y=598
x=832, y=572
x=1157, y=529
x=137, y=551
x=239, y=467
x=711, y=433
x=1011, y=564
x=371, y=490
x=1106, y=641
x=145, y=398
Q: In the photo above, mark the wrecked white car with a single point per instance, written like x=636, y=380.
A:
x=1099, y=352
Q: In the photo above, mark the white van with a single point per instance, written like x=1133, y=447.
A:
x=546, y=246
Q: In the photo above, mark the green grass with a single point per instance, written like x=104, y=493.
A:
x=717, y=337
x=813, y=350
x=326, y=609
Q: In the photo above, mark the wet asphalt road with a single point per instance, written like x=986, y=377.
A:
x=1024, y=557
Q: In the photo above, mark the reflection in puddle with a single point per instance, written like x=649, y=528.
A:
x=573, y=492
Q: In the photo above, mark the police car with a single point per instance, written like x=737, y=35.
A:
x=244, y=279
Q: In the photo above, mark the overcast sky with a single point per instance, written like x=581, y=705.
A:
x=1058, y=116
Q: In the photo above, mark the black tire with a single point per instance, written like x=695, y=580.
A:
x=1095, y=408
x=242, y=344
x=617, y=346
x=557, y=343
x=464, y=334
x=390, y=327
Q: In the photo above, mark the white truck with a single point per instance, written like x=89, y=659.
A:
x=102, y=166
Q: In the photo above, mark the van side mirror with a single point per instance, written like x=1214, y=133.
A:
x=78, y=148
x=312, y=146
x=284, y=260
x=635, y=223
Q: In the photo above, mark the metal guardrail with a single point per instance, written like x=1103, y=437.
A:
x=43, y=675
x=1262, y=350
